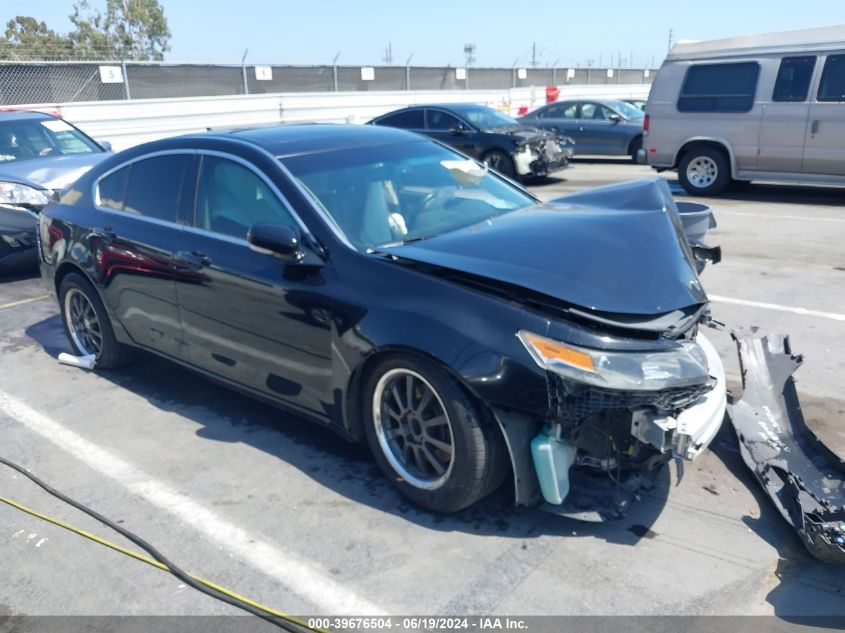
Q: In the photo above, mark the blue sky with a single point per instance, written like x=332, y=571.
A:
x=434, y=31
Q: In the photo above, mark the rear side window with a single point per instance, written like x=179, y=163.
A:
x=559, y=111
x=155, y=186
x=794, y=75
x=409, y=120
x=112, y=189
x=832, y=84
x=719, y=88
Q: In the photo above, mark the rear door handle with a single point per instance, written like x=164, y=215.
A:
x=194, y=259
x=814, y=127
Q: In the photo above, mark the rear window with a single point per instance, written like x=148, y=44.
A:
x=719, y=87
x=794, y=75
x=832, y=84
x=408, y=119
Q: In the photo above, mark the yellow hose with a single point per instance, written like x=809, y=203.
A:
x=155, y=563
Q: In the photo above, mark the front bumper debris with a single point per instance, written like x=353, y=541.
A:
x=803, y=477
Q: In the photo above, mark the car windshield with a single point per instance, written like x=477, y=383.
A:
x=397, y=193
x=26, y=140
x=628, y=111
x=487, y=118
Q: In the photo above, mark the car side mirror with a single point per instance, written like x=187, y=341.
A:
x=105, y=145
x=279, y=240
x=615, y=118
x=458, y=129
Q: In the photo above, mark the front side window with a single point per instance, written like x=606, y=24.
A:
x=793, y=81
x=560, y=111
x=40, y=138
x=832, y=84
x=439, y=120
x=231, y=198
x=155, y=186
x=719, y=87
x=595, y=111
x=407, y=119
x=406, y=191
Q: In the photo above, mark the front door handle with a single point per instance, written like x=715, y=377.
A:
x=194, y=259
x=814, y=127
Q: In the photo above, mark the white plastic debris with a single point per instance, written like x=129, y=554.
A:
x=466, y=172
x=85, y=362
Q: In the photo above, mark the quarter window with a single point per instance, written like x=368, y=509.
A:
x=439, y=120
x=112, y=189
x=832, y=84
x=231, y=198
x=719, y=88
x=155, y=186
x=407, y=119
x=794, y=75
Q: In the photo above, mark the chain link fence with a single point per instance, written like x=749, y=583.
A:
x=64, y=82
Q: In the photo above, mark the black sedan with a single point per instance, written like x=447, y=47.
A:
x=502, y=143
x=386, y=286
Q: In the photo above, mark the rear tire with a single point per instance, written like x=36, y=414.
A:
x=634, y=148
x=87, y=323
x=437, y=447
x=501, y=162
x=704, y=171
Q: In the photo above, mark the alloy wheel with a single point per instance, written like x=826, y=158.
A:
x=413, y=428
x=82, y=323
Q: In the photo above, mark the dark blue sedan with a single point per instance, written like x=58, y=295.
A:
x=39, y=155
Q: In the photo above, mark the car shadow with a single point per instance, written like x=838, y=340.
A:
x=225, y=415
x=771, y=192
x=805, y=586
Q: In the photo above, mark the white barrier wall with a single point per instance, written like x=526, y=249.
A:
x=127, y=123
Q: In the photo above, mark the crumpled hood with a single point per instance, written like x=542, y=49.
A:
x=628, y=260
x=524, y=132
x=51, y=172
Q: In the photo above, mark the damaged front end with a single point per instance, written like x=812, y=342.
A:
x=800, y=474
x=619, y=416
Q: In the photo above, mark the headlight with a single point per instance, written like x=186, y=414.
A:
x=16, y=194
x=627, y=371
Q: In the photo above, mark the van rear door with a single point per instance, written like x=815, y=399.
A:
x=824, y=147
x=784, y=120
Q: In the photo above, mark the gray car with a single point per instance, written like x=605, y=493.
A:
x=39, y=155
x=600, y=127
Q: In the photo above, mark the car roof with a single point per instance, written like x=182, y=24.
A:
x=23, y=115
x=291, y=139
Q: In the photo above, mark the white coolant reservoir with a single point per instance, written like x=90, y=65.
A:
x=552, y=459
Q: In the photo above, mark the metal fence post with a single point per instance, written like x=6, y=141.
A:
x=408, y=72
x=243, y=72
x=334, y=72
x=125, y=79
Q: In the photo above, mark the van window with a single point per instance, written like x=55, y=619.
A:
x=793, y=82
x=719, y=87
x=832, y=85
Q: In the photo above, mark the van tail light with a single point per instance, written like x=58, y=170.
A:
x=646, y=121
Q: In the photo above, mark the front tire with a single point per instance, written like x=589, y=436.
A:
x=501, y=162
x=428, y=437
x=704, y=171
x=87, y=323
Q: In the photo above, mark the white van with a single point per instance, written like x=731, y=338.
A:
x=759, y=107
